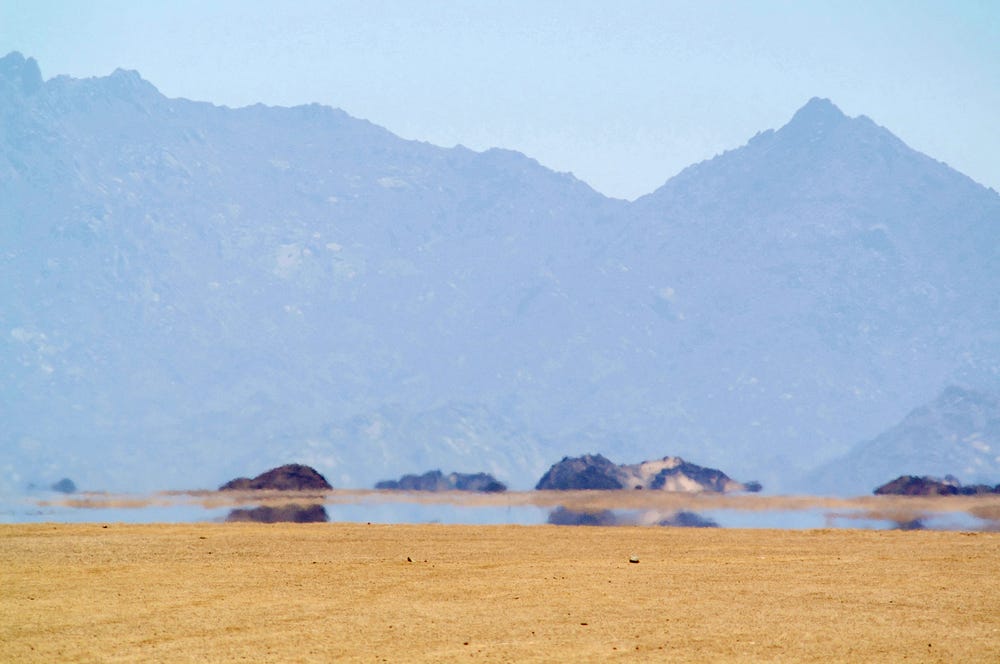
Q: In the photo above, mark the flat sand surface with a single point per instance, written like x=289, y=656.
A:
x=405, y=593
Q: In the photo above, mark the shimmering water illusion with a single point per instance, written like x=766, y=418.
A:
x=582, y=508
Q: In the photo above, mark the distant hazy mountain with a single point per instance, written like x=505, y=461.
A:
x=957, y=434
x=825, y=279
x=191, y=292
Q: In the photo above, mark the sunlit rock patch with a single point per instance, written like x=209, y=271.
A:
x=594, y=471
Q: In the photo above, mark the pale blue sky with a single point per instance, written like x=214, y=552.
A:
x=623, y=94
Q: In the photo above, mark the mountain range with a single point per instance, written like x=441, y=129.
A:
x=191, y=292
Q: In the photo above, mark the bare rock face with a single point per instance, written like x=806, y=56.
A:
x=281, y=514
x=591, y=471
x=290, y=477
x=435, y=480
x=676, y=474
x=666, y=474
x=912, y=485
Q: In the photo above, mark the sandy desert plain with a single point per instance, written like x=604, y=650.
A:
x=221, y=592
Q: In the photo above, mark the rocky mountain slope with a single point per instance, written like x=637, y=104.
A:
x=957, y=434
x=189, y=290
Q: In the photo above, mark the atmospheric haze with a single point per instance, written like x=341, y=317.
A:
x=194, y=293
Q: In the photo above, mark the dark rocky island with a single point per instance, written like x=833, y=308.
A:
x=913, y=485
x=590, y=471
x=290, y=477
x=435, y=480
x=594, y=471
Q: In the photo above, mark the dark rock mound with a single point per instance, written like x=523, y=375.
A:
x=666, y=474
x=591, y=471
x=912, y=485
x=281, y=514
x=65, y=485
x=435, y=480
x=290, y=477
x=482, y=482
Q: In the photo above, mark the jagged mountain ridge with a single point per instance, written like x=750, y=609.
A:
x=203, y=290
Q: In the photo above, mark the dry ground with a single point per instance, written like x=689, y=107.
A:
x=346, y=592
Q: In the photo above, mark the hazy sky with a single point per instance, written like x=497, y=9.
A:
x=624, y=94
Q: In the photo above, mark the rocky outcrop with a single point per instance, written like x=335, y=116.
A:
x=912, y=485
x=281, y=514
x=686, y=476
x=435, y=480
x=591, y=471
x=666, y=474
x=65, y=485
x=290, y=477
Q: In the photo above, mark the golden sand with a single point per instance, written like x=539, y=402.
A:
x=404, y=593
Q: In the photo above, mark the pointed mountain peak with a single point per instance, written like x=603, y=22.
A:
x=128, y=82
x=821, y=123
x=819, y=112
